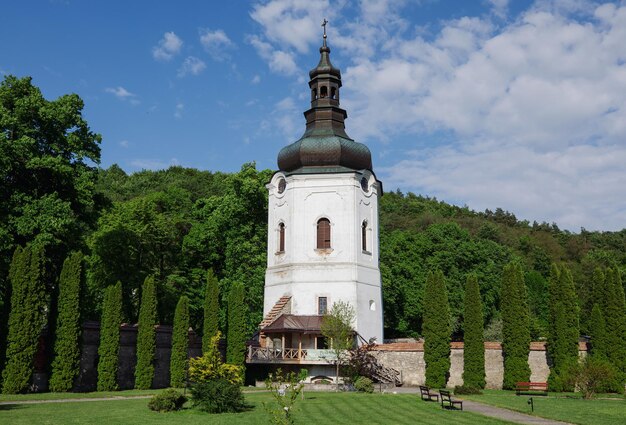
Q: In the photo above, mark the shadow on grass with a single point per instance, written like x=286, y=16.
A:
x=11, y=406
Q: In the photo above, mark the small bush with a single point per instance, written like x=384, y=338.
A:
x=591, y=376
x=363, y=384
x=466, y=389
x=168, y=401
x=217, y=396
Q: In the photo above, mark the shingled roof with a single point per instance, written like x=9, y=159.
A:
x=293, y=323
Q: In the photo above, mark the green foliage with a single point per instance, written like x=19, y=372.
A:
x=210, y=367
x=564, y=329
x=109, y=347
x=537, y=288
x=285, y=389
x=515, y=326
x=218, y=396
x=146, y=336
x=337, y=327
x=590, y=376
x=597, y=332
x=437, y=330
x=180, y=344
x=27, y=317
x=467, y=389
x=474, y=348
x=211, y=310
x=65, y=366
x=237, y=335
x=168, y=401
x=615, y=317
x=363, y=384
x=47, y=181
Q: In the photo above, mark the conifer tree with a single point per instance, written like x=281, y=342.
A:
x=436, y=330
x=515, y=326
x=26, y=318
x=146, y=335
x=564, y=327
x=474, y=345
x=109, y=347
x=236, y=338
x=597, y=330
x=211, y=310
x=180, y=344
x=615, y=317
x=66, y=348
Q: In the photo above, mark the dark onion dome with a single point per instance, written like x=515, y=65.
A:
x=324, y=146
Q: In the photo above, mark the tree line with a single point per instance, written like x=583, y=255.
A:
x=176, y=224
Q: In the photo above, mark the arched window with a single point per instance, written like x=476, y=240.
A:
x=364, y=235
x=313, y=95
x=333, y=93
x=323, y=233
x=281, y=237
x=323, y=92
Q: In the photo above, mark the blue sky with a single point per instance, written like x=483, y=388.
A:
x=519, y=105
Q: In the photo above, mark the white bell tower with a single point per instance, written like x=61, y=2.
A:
x=323, y=217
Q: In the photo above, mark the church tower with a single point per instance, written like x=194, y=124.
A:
x=323, y=222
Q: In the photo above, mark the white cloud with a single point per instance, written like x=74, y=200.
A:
x=192, y=65
x=279, y=61
x=123, y=94
x=168, y=47
x=153, y=164
x=256, y=79
x=215, y=43
x=178, y=113
x=124, y=144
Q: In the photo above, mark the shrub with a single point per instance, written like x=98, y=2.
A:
x=168, y=401
x=474, y=354
x=210, y=367
x=591, y=376
x=437, y=330
x=217, y=396
x=211, y=310
x=364, y=385
x=285, y=388
x=236, y=337
x=180, y=344
x=467, y=389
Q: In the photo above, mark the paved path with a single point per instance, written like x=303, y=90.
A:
x=493, y=411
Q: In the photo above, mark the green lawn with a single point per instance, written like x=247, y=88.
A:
x=564, y=407
x=63, y=396
x=318, y=408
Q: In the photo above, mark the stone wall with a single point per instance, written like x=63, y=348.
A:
x=408, y=358
x=88, y=376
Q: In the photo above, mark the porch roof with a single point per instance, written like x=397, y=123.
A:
x=295, y=323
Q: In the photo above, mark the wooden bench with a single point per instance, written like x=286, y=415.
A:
x=427, y=395
x=446, y=398
x=531, y=388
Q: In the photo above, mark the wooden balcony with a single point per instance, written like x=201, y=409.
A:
x=289, y=356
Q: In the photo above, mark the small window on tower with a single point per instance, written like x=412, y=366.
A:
x=364, y=235
x=281, y=237
x=323, y=233
x=313, y=95
x=322, y=305
x=333, y=93
x=323, y=92
x=282, y=184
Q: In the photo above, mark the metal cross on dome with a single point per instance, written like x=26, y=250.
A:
x=324, y=22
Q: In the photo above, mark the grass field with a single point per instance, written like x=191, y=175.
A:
x=564, y=407
x=318, y=408
x=64, y=396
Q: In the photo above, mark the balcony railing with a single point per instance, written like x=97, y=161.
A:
x=289, y=354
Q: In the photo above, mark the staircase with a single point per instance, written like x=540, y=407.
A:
x=284, y=303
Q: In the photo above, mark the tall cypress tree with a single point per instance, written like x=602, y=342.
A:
x=236, y=338
x=615, y=317
x=109, y=347
x=597, y=330
x=26, y=318
x=437, y=330
x=564, y=327
x=474, y=347
x=211, y=310
x=146, y=336
x=180, y=343
x=66, y=348
x=515, y=326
